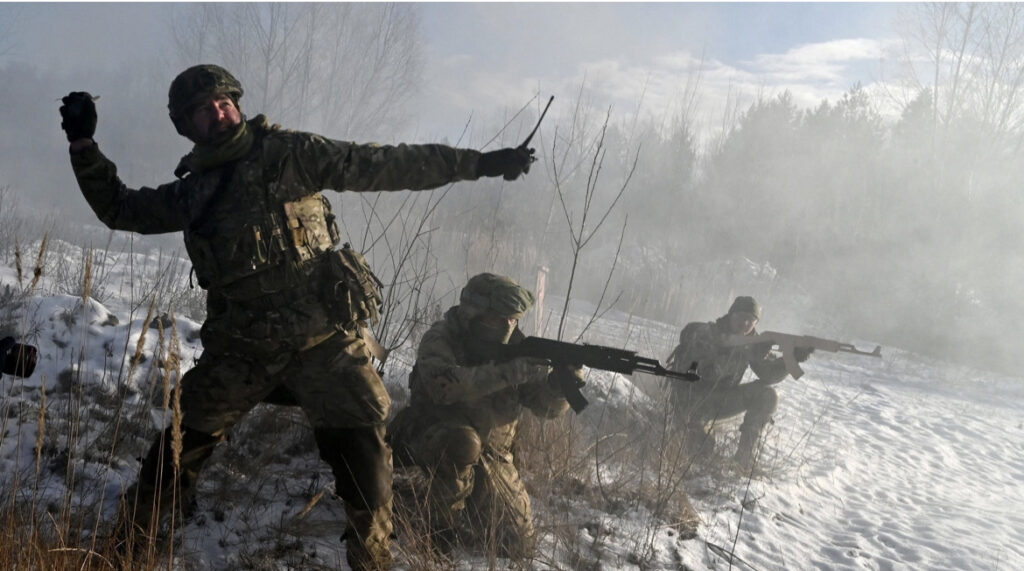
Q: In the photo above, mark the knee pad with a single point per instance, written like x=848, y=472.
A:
x=769, y=400
x=460, y=445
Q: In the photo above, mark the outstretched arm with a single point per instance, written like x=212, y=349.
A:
x=342, y=165
x=148, y=211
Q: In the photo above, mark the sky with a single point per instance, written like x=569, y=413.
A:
x=486, y=58
x=626, y=53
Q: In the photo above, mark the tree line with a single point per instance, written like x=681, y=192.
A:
x=903, y=228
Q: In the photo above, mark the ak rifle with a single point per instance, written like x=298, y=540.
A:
x=787, y=343
x=563, y=353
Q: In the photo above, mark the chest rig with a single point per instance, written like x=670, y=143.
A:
x=254, y=226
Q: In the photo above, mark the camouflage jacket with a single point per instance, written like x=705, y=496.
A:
x=446, y=384
x=259, y=226
x=721, y=367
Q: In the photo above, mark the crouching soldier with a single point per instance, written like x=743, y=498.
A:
x=464, y=412
x=722, y=394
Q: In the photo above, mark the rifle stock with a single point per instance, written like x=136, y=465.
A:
x=563, y=353
x=787, y=343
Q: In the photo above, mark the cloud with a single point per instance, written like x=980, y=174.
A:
x=825, y=61
x=661, y=84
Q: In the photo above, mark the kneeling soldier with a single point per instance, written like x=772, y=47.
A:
x=464, y=412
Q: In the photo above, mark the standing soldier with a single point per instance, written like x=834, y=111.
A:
x=721, y=394
x=284, y=308
x=464, y=412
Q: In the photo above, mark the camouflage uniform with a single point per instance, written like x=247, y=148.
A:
x=283, y=318
x=460, y=427
x=720, y=394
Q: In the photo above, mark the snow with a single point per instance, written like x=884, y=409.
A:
x=895, y=472
x=900, y=463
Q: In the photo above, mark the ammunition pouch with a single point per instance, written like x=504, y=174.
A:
x=261, y=247
x=311, y=226
x=354, y=292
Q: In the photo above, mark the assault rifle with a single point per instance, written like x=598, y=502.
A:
x=787, y=343
x=563, y=353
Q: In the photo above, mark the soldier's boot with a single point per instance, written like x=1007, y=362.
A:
x=156, y=492
x=445, y=505
x=758, y=415
x=449, y=453
x=368, y=538
x=360, y=460
x=688, y=521
x=747, y=458
x=744, y=457
x=699, y=443
x=500, y=510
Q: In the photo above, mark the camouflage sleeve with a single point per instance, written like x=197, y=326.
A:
x=147, y=210
x=342, y=165
x=543, y=399
x=697, y=342
x=769, y=368
x=445, y=381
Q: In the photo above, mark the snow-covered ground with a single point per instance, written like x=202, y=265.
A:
x=899, y=463
x=909, y=465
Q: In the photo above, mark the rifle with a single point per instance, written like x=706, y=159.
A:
x=787, y=343
x=563, y=353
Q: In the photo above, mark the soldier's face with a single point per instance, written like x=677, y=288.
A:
x=214, y=116
x=742, y=323
x=493, y=328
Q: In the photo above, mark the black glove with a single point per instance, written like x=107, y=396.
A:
x=79, y=115
x=510, y=163
x=801, y=354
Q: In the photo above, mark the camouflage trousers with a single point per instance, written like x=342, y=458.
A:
x=344, y=399
x=474, y=483
x=695, y=410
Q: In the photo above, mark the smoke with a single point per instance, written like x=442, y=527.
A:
x=885, y=211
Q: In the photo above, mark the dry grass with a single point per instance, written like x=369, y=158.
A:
x=607, y=461
x=74, y=426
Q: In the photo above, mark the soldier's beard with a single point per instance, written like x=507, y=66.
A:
x=206, y=156
x=221, y=133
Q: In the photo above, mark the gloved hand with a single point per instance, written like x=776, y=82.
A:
x=801, y=354
x=761, y=350
x=526, y=370
x=570, y=375
x=78, y=115
x=510, y=163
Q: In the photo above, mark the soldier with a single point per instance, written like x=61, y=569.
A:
x=463, y=416
x=284, y=307
x=720, y=394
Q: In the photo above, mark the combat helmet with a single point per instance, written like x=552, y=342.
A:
x=195, y=84
x=499, y=294
x=746, y=304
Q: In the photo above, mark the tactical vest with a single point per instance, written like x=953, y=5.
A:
x=255, y=224
x=257, y=230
